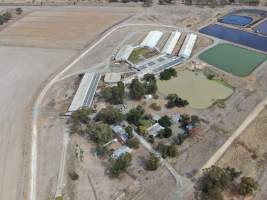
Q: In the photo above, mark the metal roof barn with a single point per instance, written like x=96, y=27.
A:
x=152, y=39
x=188, y=45
x=112, y=77
x=124, y=53
x=171, y=42
x=86, y=91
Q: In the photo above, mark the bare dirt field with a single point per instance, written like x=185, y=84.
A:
x=249, y=153
x=59, y=29
x=23, y=72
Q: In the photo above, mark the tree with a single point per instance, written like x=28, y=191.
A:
x=137, y=89
x=148, y=3
x=150, y=87
x=119, y=165
x=152, y=162
x=133, y=143
x=79, y=118
x=135, y=114
x=114, y=95
x=166, y=132
x=18, y=11
x=155, y=106
x=195, y=119
x=150, y=84
x=99, y=133
x=247, y=186
x=101, y=149
x=167, y=150
x=7, y=16
x=233, y=173
x=73, y=175
x=165, y=121
x=172, y=151
x=109, y=115
x=175, y=100
x=129, y=131
x=167, y=74
x=214, y=178
x=149, y=77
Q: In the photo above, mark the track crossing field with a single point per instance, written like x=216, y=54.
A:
x=235, y=60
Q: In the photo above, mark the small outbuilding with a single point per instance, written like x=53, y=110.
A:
x=112, y=77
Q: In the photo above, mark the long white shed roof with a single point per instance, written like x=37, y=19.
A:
x=188, y=45
x=152, y=39
x=86, y=91
x=124, y=53
x=171, y=42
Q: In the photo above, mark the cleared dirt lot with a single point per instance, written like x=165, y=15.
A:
x=249, y=153
x=23, y=72
x=59, y=29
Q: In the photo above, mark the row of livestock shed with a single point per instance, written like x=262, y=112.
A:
x=171, y=42
x=86, y=91
x=152, y=39
x=188, y=45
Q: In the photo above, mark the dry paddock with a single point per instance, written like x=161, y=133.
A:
x=72, y=29
x=249, y=153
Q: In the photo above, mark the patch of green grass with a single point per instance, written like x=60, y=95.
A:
x=232, y=59
x=135, y=55
x=144, y=122
x=59, y=198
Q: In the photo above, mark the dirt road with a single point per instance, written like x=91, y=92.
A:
x=235, y=135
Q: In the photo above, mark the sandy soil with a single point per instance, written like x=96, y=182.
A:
x=58, y=29
x=248, y=153
x=23, y=71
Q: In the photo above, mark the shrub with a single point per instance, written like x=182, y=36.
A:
x=18, y=11
x=167, y=74
x=152, y=162
x=119, y=165
x=155, y=106
x=165, y=121
x=247, y=186
x=73, y=176
x=133, y=143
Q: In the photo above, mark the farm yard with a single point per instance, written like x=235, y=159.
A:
x=232, y=59
x=129, y=139
x=196, y=88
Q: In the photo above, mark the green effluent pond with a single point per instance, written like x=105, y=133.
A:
x=200, y=92
x=232, y=59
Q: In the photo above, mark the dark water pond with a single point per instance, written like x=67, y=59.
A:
x=237, y=36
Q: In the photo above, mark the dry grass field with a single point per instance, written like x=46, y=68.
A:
x=59, y=29
x=249, y=153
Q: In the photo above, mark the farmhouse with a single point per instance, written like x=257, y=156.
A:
x=120, y=151
x=154, y=129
